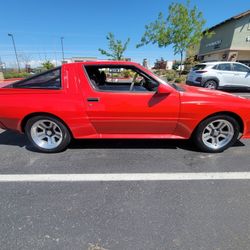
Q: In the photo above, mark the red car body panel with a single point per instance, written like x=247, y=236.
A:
x=174, y=114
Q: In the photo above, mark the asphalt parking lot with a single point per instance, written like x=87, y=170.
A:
x=123, y=214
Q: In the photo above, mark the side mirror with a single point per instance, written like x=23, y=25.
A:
x=163, y=89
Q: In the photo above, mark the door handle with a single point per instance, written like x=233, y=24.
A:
x=93, y=99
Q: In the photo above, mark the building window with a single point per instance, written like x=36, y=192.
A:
x=248, y=27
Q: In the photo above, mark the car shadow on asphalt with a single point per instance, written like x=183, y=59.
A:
x=239, y=90
x=13, y=139
x=20, y=140
x=139, y=144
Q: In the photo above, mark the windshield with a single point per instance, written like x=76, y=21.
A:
x=163, y=80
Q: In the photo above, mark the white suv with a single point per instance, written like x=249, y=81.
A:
x=220, y=75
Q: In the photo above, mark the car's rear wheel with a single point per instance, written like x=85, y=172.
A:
x=211, y=84
x=217, y=133
x=47, y=134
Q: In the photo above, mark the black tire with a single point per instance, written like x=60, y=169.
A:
x=31, y=129
x=204, y=141
x=211, y=84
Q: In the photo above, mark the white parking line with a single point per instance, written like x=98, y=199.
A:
x=125, y=177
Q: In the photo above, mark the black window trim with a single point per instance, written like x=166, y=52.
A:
x=230, y=64
x=37, y=75
x=244, y=66
x=94, y=87
x=215, y=66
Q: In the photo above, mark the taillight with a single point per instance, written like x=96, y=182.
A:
x=200, y=71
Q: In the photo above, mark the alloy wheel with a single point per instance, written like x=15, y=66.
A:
x=211, y=85
x=218, y=134
x=46, y=134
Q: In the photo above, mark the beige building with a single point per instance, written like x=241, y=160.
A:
x=230, y=42
x=87, y=59
x=79, y=59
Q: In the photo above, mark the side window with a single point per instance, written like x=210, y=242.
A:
x=224, y=66
x=240, y=68
x=48, y=80
x=120, y=78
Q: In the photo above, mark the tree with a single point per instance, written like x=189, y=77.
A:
x=25, y=58
x=191, y=57
x=48, y=65
x=182, y=29
x=116, y=47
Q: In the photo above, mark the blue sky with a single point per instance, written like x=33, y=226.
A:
x=38, y=25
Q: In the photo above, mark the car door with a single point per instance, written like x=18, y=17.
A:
x=225, y=74
x=115, y=109
x=241, y=75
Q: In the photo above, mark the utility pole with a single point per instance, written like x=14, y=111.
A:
x=2, y=65
x=1, y=70
x=14, y=45
x=62, y=49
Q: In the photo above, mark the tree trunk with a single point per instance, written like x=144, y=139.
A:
x=181, y=64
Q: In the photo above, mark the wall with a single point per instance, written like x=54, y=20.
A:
x=213, y=57
x=244, y=55
x=224, y=33
x=242, y=31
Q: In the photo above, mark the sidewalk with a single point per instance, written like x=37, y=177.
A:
x=6, y=82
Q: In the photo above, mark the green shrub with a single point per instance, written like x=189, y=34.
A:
x=177, y=80
x=127, y=73
x=181, y=79
x=8, y=75
x=48, y=65
x=170, y=78
x=157, y=71
x=170, y=75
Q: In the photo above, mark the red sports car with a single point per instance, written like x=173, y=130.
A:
x=119, y=100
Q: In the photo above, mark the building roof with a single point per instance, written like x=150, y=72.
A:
x=245, y=13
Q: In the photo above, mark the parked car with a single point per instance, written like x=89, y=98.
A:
x=220, y=75
x=93, y=100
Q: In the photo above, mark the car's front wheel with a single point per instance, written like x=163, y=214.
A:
x=217, y=133
x=47, y=134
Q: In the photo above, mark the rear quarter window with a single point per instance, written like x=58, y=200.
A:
x=240, y=68
x=48, y=80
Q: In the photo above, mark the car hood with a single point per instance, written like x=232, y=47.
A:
x=211, y=94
